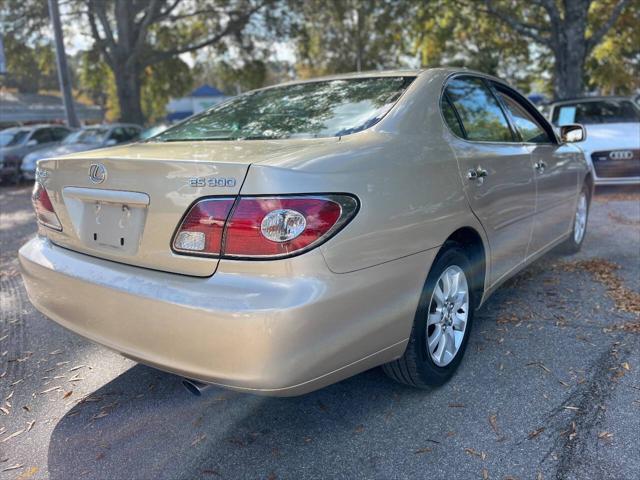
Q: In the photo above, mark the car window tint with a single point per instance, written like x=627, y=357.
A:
x=529, y=129
x=481, y=115
x=450, y=117
x=42, y=135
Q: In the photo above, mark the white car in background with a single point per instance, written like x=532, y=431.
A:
x=613, y=135
x=89, y=138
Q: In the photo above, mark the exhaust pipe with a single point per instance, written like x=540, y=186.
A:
x=194, y=386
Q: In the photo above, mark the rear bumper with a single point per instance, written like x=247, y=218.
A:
x=276, y=328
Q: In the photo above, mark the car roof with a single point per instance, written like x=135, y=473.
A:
x=387, y=73
x=589, y=99
x=34, y=127
x=111, y=125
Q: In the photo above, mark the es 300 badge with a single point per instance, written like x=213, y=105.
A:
x=224, y=182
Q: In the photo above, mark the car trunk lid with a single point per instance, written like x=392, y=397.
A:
x=127, y=209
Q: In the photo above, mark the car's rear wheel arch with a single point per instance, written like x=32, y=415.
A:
x=471, y=242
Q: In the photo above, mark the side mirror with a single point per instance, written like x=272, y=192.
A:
x=572, y=133
x=111, y=142
x=32, y=143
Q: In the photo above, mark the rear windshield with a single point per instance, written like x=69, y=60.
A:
x=601, y=111
x=330, y=108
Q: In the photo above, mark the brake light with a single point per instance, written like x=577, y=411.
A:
x=262, y=227
x=201, y=229
x=45, y=213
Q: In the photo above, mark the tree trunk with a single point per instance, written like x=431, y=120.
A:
x=129, y=85
x=568, y=74
x=570, y=51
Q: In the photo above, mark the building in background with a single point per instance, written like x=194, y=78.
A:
x=30, y=108
x=198, y=100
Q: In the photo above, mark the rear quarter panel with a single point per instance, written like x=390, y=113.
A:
x=402, y=171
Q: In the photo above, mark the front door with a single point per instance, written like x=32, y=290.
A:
x=555, y=175
x=496, y=169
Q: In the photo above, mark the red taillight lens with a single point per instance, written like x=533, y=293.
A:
x=263, y=227
x=202, y=227
x=45, y=213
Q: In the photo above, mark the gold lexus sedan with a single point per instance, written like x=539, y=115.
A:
x=299, y=234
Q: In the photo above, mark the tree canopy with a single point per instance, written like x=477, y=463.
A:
x=142, y=52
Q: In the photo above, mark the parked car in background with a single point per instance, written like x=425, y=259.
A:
x=88, y=138
x=17, y=142
x=299, y=234
x=613, y=135
x=153, y=131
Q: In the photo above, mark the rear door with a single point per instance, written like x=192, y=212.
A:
x=496, y=170
x=556, y=179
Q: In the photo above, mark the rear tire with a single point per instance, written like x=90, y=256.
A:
x=442, y=323
x=573, y=244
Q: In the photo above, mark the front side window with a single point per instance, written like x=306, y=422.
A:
x=330, y=108
x=529, y=129
x=595, y=112
x=479, y=111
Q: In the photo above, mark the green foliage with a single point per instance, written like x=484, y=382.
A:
x=232, y=80
x=29, y=69
x=334, y=36
x=449, y=33
x=614, y=66
x=160, y=82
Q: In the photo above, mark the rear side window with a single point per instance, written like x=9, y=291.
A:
x=528, y=127
x=479, y=110
x=450, y=117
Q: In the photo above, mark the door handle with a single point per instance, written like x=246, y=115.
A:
x=477, y=174
x=540, y=166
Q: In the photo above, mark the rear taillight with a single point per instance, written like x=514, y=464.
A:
x=45, y=213
x=262, y=227
x=201, y=229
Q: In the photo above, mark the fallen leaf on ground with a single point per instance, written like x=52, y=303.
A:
x=423, y=450
x=13, y=467
x=52, y=389
x=198, y=439
x=535, y=433
x=471, y=451
x=67, y=394
x=605, y=435
x=15, y=434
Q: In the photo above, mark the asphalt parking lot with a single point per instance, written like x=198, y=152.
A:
x=549, y=388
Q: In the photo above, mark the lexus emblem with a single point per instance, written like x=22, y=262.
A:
x=621, y=155
x=97, y=173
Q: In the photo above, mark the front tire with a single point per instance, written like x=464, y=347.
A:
x=573, y=244
x=442, y=323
